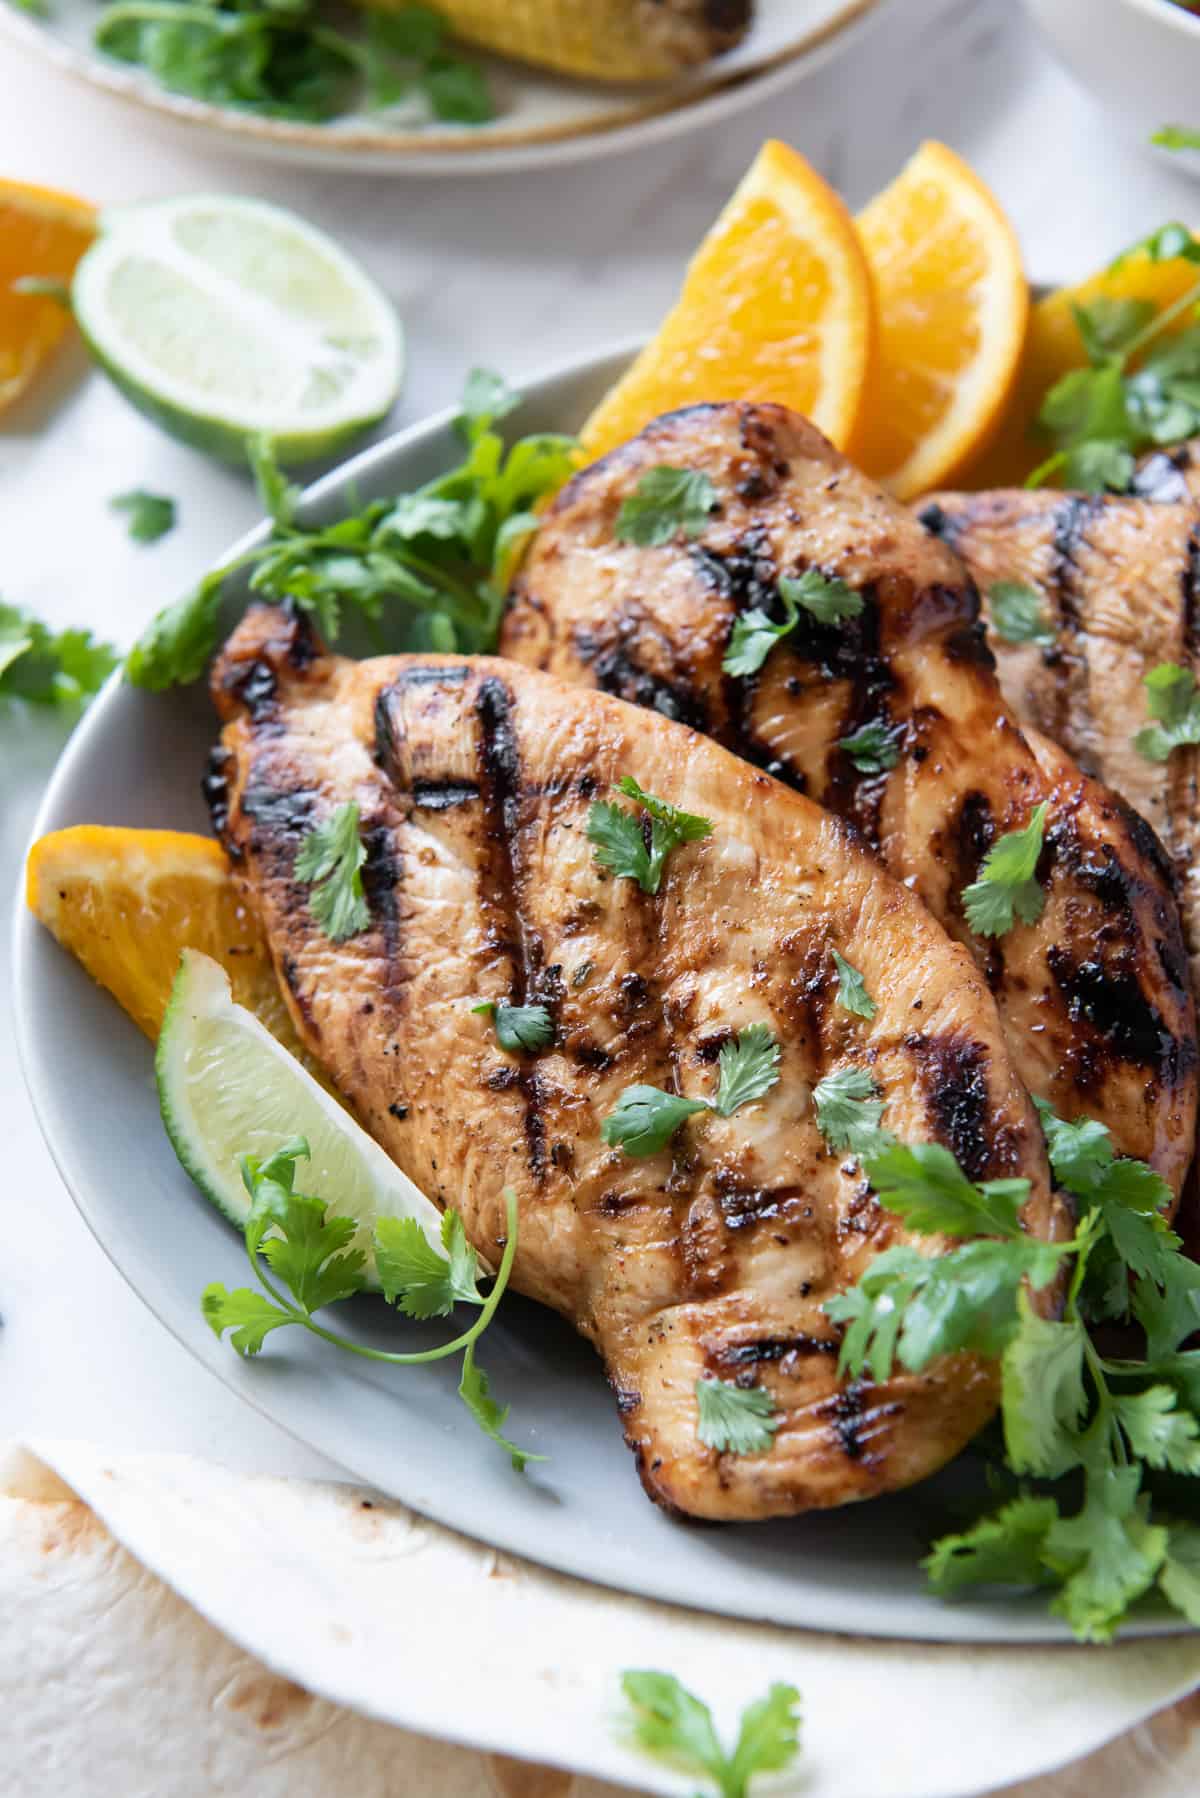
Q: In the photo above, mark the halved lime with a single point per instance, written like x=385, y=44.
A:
x=226, y=1087
x=221, y=317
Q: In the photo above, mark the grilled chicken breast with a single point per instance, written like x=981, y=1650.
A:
x=1119, y=586
x=1094, y=996
x=714, y=1257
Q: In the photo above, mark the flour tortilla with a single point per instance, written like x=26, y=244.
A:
x=112, y=1682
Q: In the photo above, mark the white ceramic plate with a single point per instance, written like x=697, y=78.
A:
x=542, y=118
x=137, y=759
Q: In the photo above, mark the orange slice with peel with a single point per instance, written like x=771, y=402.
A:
x=43, y=233
x=127, y=903
x=776, y=305
x=952, y=304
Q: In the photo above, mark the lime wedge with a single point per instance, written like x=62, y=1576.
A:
x=222, y=317
x=226, y=1087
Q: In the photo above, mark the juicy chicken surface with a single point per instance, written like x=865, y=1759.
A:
x=1095, y=995
x=1119, y=585
x=474, y=779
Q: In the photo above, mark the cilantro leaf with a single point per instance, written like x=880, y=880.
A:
x=923, y=1184
x=852, y=994
x=487, y=398
x=873, y=748
x=1169, y=1311
x=749, y=1068
x=1109, y=325
x=175, y=647
x=249, y=1315
x=475, y=1393
x=1107, y=1555
x=1004, y=1549
x=1016, y=614
x=646, y=1118
x=1179, y=1577
x=1080, y=1153
x=848, y=1111
x=307, y=1247
x=736, y=1420
x=151, y=515
x=769, y=1737
x=1006, y=888
x=47, y=668
x=619, y=838
x=1044, y=1400
x=415, y=1277
x=666, y=501
x=669, y=1721
x=1173, y=701
x=519, y=1028
x=330, y=861
x=1158, y=1433
x=754, y=634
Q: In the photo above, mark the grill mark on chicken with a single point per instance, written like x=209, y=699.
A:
x=954, y=1077
x=500, y=787
x=1070, y=537
x=618, y=673
x=742, y=918
x=214, y=786
x=1114, y=1005
x=956, y=732
x=441, y=795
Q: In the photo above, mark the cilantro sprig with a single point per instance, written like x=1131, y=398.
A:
x=330, y=861
x=1006, y=888
x=309, y=1251
x=287, y=61
x=666, y=502
x=1137, y=391
x=1173, y=702
x=754, y=635
x=45, y=667
x=424, y=570
x=668, y=1721
x=852, y=994
x=619, y=838
x=645, y=1118
x=1092, y=1432
x=848, y=1110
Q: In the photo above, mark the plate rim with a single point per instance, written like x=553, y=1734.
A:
x=999, y=1624
x=635, y=123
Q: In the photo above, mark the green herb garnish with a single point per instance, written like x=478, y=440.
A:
x=1068, y=1410
x=735, y=1420
x=852, y=994
x=669, y=1721
x=1016, y=614
x=664, y=502
x=1136, y=393
x=755, y=634
x=619, y=839
x=1173, y=701
x=519, y=1028
x=425, y=570
x=149, y=515
x=308, y=1248
x=873, y=748
x=1006, y=888
x=645, y=1118
x=45, y=667
x=848, y=1110
x=330, y=860
x=283, y=59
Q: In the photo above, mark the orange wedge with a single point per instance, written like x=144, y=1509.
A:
x=1053, y=347
x=776, y=305
x=126, y=903
x=952, y=304
x=42, y=233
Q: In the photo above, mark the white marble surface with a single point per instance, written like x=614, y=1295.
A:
x=516, y=271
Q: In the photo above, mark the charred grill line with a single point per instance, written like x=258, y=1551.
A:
x=1071, y=520
x=500, y=893
x=1191, y=590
